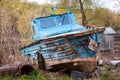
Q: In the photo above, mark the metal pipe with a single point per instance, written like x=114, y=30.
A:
x=16, y=69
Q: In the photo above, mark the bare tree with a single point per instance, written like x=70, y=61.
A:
x=84, y=20
x=83, y=4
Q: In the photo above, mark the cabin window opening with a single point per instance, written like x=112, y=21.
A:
x=63, y=20
x=47, y=23
x=33, y=28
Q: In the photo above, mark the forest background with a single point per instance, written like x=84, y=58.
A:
x=16, y=16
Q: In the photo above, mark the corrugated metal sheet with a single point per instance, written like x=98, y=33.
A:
x=109, y=30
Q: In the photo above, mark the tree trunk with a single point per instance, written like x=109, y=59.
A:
x=84, y=21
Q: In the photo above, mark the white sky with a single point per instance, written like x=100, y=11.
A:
x=106, y=3
x=40, y=1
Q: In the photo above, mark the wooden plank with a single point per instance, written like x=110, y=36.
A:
x=75, y=60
